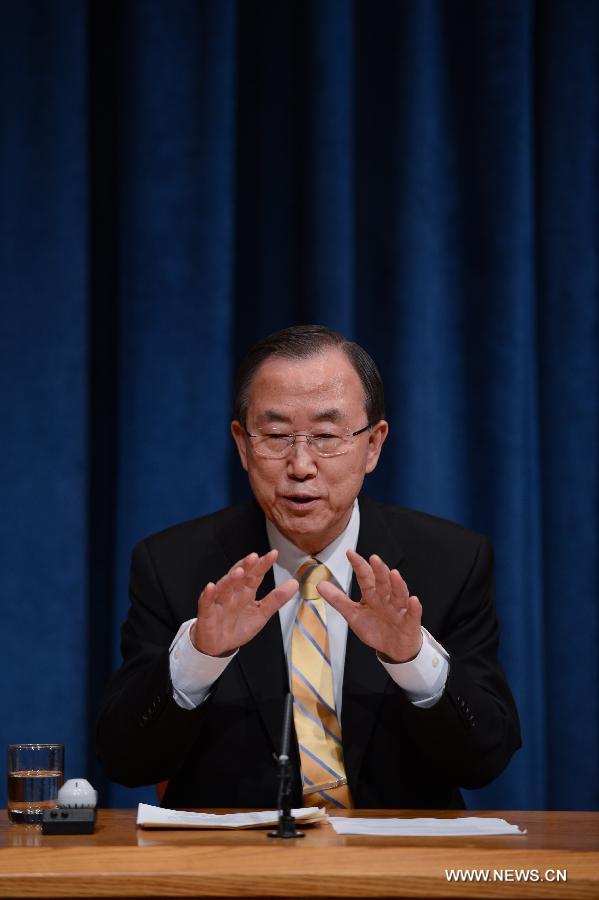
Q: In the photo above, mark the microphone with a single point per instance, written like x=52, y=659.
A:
x=286, y=827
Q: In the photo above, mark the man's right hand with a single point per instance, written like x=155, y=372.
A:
x=229, y=614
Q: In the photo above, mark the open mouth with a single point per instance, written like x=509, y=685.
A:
x=300, y=502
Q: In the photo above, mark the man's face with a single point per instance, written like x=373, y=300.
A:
x=309, y=498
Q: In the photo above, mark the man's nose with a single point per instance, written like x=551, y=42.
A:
x=300, y=461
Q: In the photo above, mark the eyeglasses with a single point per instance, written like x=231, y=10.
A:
x=276, y=445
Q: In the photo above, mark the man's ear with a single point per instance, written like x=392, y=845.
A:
x=238, y=432
x=376, y=438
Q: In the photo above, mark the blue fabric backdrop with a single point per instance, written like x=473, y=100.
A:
x=180, y=178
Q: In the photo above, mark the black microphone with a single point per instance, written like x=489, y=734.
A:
x=286, y=827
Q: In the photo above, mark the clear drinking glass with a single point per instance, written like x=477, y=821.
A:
x=35, y=775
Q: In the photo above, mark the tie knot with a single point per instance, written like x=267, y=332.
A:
x=309, y=574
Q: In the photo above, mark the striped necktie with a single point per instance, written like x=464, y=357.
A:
x=316, y=724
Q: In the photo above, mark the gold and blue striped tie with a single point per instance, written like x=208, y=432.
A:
x=316, y=723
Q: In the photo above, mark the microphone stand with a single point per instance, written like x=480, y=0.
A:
x=286, y=827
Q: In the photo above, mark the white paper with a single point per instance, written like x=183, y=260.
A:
x=466, y=826
x=157, y=817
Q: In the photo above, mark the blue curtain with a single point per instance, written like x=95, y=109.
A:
x=181, y=178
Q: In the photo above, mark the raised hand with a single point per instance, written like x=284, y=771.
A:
x=229, y=614
x=386, y=617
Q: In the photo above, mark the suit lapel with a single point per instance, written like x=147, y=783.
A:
x=364, y=679
x=262, y=660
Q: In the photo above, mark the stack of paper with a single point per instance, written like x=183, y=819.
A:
x=466, y=826
x=157, y=817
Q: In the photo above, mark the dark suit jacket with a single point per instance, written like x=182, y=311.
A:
x=396, y=754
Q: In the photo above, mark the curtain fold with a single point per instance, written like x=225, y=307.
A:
x=176, y=181
x=43, y=374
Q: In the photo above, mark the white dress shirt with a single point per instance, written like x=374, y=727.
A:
x=423, y=678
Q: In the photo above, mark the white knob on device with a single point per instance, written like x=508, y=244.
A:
x=77, y=793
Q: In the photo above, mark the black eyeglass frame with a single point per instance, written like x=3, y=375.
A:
x=309, y=437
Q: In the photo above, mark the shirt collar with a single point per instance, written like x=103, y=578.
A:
x=333, y=556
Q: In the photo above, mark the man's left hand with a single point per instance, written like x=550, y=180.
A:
x=386, y=617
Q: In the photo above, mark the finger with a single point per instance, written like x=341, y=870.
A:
x=249, y=570
x=399, y=590
x=363, y=571
x=410, y=617
x=382, y=581
x=279, y=597
x=229, y=583
x=206, y=598
x=414, y=610
x=224, y=589
x=338, y=600
x=245, y=563
x=255, y=574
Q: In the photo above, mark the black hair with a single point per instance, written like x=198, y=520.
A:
x=301, y=342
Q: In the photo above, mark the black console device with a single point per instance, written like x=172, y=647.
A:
x=68, y=821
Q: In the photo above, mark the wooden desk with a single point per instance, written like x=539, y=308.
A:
x=120, y=860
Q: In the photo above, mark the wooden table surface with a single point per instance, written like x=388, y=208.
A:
x=120, y=860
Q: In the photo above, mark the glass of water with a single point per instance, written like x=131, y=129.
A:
x=35, y=775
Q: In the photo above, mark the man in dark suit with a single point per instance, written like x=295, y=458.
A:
x=410, y=702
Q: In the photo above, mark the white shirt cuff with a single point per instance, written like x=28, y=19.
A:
x=193, y=673
x=423, y=678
